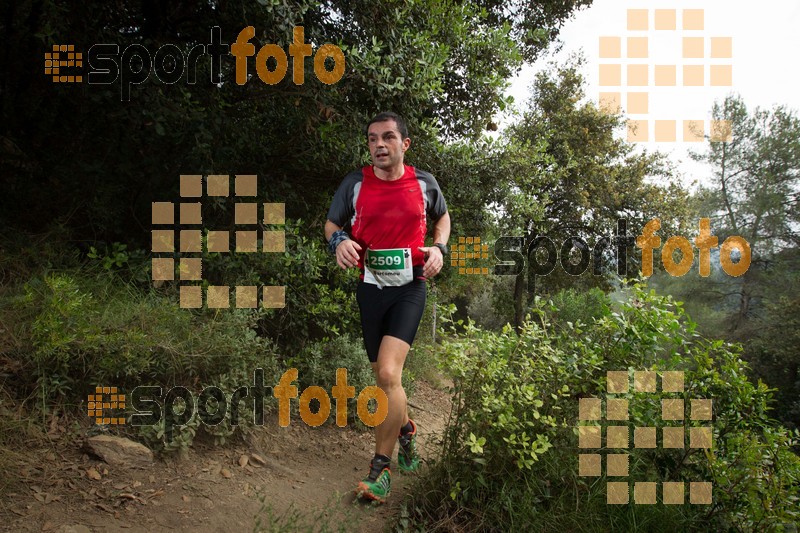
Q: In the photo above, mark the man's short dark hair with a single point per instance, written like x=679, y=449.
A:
x=388, y=115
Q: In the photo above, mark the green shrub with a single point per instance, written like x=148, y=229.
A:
x=317, y=305
x=103, y=331
x=491, y=305
x=570, y=305
x=76, y=331
x=510, y=455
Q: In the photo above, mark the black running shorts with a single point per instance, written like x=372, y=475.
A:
x=394, y=311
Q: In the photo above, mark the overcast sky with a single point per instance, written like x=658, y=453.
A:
x=765, y=39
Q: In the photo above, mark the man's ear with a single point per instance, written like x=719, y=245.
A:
x=406, y=143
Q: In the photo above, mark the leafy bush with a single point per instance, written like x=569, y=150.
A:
x=491, y=306
x=81, y=329
x=510, y=456
x=570, y=305
x=317, y=308
x=79, y=322
x=74, y=332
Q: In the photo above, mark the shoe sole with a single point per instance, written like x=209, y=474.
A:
x=363, y=492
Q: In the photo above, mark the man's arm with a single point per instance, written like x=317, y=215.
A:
x=441, y=229
x=434, y=259
x=330, y=227
x=346, y=251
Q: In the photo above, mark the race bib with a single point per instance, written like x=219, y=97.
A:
x=388, y=268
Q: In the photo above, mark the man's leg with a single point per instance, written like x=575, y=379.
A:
x=388, y=373
x=402, y=318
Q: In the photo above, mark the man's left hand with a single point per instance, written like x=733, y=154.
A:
x=433, y=260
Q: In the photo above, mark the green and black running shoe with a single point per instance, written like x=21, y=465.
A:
x=407, y=457
x=378, y=484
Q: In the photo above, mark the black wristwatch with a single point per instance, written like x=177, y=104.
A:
x=442, y=248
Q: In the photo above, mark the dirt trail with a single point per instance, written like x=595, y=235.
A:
x=310, y=471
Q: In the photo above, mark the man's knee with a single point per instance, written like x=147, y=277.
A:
x=389, y=378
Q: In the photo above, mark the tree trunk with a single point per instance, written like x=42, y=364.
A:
x=745, y=298
x=519, y=301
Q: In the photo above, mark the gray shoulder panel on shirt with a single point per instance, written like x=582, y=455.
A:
x=343, y=205
x=434, y=200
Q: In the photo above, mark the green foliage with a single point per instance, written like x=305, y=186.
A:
x=444, y=65
x=76, y=330
x=320, y=297
x=755, y=175
x=489, y=303
x=182, y=437
x=775, y=335
x=504, y=413
x=570, y=174
x=75, y=323
x=100, y=328
x=533, y=23
x=510, y=450
x=752, y=193
x=116, y=256
x=572, y=307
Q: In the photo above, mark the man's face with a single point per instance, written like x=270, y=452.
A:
x=386, y=145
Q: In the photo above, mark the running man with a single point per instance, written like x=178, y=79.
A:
x=387, y=206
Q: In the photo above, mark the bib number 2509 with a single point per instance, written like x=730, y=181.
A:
x=388, y=267
x=385, y=261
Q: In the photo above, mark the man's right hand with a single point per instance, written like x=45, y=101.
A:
x=347, y=253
